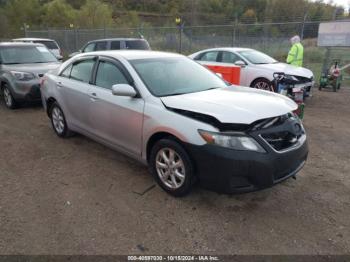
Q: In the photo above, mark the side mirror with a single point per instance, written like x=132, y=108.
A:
x=240, y=63
x=123, y=90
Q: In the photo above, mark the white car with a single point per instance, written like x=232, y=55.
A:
x=257, y=68
x=49, y=43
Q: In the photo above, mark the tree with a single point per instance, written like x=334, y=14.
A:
x=58, y=14
x=19, y=12
x=95, y=14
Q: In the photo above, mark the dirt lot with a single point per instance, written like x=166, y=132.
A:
x=75, y=196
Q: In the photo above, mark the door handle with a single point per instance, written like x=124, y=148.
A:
x=59, y=84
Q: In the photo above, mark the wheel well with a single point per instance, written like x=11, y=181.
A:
x=156, y=137
x=259, y=78
x=49, y=103
x=2, y=84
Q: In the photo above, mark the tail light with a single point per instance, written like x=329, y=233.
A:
x=61, y=53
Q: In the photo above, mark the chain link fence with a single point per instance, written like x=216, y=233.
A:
x=268, y=37
x=271, y=38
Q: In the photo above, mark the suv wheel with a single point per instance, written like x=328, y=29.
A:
x=58, y=121
x=172, y=168
x=9, y=100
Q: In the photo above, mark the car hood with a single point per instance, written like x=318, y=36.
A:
x=37, y=68
x=287, y=69
x=238, y=105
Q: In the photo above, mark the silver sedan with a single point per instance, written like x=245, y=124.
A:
x=179, y=118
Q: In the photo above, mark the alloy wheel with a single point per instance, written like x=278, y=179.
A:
x=8, y=98
x=58, y=120
x=170, y=168
x=264, y=86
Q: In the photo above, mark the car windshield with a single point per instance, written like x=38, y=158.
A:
x=256, y=57
x=175, y=76
x=26, y=55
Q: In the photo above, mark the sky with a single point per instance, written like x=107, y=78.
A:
x=344, y=3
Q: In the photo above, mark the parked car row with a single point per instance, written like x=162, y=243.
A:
x=165, y=110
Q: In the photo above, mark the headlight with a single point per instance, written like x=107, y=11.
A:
x=234, y=141
x=23, y=76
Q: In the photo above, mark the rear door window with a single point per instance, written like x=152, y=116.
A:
x=66, y=72
x=115, y=45
x=208, y=56
x=81, y=71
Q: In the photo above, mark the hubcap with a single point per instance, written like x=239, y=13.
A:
x=7, y=97
x=264, y=86
x=58, y=120
x=170, y=168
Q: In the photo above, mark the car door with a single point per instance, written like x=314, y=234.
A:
x=228, y=59
x=115, y=119
x=74, y=83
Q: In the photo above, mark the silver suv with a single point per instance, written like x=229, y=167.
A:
x=114, y=44
x=22, y=65
x=181, y=119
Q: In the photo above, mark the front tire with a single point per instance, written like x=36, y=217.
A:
x=10, y=102
x=58, y=121
x=171, y=167
x=263, y=84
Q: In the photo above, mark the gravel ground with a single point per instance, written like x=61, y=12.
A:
x=75, y=196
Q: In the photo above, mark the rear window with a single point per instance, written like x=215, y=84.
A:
x=137, y=45
x=48, y=44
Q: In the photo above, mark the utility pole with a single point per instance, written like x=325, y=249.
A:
x=25, y=27
x=303, y=25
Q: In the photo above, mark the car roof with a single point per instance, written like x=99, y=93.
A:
x=232, y=49
x=132, y=54
x=19, y=44
x=33, y=39
x=117, y=39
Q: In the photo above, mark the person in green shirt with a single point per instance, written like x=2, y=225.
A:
x=296, y=53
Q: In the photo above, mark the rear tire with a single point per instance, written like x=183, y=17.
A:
x=171, y=167
x=58, y=121
x=10, y=102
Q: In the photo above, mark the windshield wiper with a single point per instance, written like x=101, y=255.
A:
x=175, y=94
x=211, y=88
